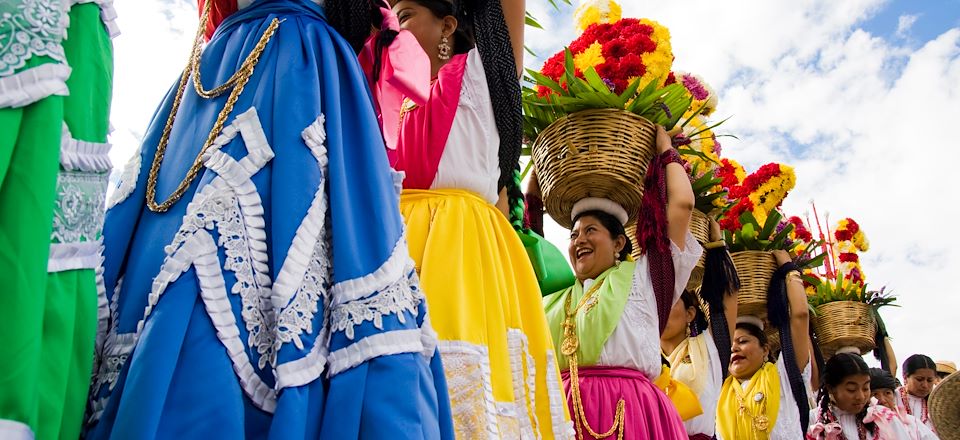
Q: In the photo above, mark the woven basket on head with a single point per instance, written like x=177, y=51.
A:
x=845, y=324
x=755, y=268
x=593, y=153
x=700, y=229
x=944, y=407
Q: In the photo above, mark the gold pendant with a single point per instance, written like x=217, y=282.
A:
x=761, y=423
x=569, y=346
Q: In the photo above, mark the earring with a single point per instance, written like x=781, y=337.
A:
x=445, y=50
x=616, y=258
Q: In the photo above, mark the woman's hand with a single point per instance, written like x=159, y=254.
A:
x=715, y=233
x=782, y=257
x=664, y=142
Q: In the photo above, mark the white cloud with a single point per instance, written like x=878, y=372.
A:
x=865, y=121
x=905, y=23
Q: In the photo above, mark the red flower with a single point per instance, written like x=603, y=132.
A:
x=631, y=65
x=671, y=79
x=843, y=235
x=615, y=49
x=849, y=258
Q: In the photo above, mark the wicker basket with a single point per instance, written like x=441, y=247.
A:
x=593, y=153
x=944, y=407
x=755, y=268
x=845, y=324
x=700, y=228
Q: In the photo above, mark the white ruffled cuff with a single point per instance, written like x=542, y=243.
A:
x=380, y=344
x=72, y=256
x=77, y=155
x=31, y=85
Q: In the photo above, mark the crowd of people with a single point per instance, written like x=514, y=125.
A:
x=318, y=238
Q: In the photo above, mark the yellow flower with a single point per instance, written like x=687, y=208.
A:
x=596, y=11
x=591, y=57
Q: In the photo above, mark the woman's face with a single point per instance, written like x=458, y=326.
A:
x=885, y=397
x=592, y=250
x=679, y=321
x=746, y=355
x=852, y=394
x=920, y=383
x=424, y=25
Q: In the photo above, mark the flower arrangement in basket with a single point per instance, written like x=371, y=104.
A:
x=591, y=113
x=754, y=226
x=845, y=310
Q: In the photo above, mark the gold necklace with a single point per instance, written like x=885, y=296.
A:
x=237, y=82
x=760, y=423
x=569, y=347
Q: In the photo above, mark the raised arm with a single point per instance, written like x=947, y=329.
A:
x=799, y=312
x=679, y=194
x=514, y=12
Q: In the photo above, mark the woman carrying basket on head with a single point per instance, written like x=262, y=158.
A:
x=605, y=326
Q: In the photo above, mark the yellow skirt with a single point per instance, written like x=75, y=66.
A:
x=485, y=306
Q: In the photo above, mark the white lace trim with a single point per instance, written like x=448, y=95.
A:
x=387, y=274
x=380, y=344
x=462, y=387
x=562, y=427
x=71, y=256
x=523, y=385
x=77, y=155
x=128, y=180
x=396, y=298
x=108, y=14
x=14, y=430
x=305, y=275
x=34, y=84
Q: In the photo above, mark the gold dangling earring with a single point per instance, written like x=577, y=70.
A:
x=445, y=50
x=616, y=257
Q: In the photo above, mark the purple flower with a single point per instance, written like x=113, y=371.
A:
x=666, y=110
x=610, y=84
x=695, y=87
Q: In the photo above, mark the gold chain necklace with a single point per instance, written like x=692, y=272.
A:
x=760, y=422
x=569, y=347
x=236, y=82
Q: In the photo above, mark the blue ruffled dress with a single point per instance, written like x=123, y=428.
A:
x=277, y=299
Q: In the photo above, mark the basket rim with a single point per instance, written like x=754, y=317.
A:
x=561, y=209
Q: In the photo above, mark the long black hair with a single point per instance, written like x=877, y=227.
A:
x=613, y=225
x=917, y=362
x=838, y=368
x=479, y=21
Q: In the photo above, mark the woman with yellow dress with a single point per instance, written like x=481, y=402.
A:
x=454, y=132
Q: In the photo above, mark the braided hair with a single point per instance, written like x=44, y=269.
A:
x=486, y=19
x=699, y=323
x=838, y=368
x=353, y=19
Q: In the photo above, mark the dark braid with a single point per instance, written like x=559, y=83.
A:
x=778, y=312
x=486, y=19
x=353, y=19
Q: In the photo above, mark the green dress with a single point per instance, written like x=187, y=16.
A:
x=55, y=89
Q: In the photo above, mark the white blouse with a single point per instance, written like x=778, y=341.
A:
x=848, y=425
x=635, y=343
x=916, y=407
x=471, y=157
x=709, y=397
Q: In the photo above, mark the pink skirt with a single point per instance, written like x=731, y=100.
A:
x=649, y=413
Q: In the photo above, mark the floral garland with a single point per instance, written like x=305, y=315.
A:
x=596, y=11
x=760, y=193
x=850, y=240
x=620, y=52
